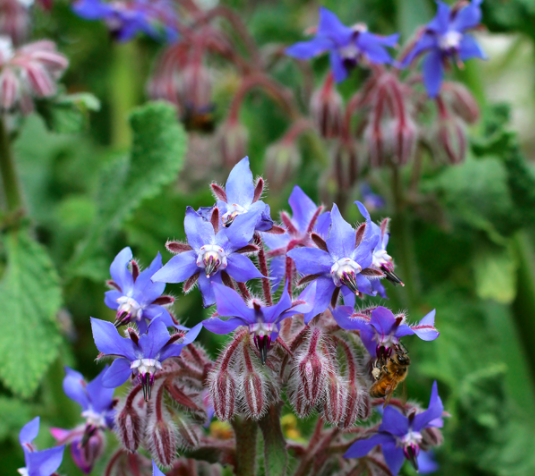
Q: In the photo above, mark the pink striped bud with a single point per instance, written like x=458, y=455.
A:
x=52, y=60
x=400, y=141
x=223, y=391
x=14, y=20
x=335, y=395
x=85, y=455
x=449, y=141
x=462, y=101
x=39, y=80
x=187, y=432
x=162, y=439
x=253, y=395
x=431, y=436
x=346, y=164
x=326, y=109
x=233, y=137
x=9, y=89
x=301, y=405
x=130, y=424
x=311, y=369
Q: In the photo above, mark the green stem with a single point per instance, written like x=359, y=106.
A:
x=275, y=453
x=245, y=432
x=10, y=181
x=124, y=92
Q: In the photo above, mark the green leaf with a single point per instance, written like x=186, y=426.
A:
x=157, y=156
x=495, y=273
x=14, y=414
x=31, y=297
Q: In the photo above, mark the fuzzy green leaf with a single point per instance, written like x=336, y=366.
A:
x=31, y=297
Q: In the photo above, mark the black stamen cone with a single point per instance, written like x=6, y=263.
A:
x=350, y=281
x=392, y=277
x=88, y=433
x=410, y=453
x=146, y=386
x=263, y=344
x=121, y=320
x=210, y=266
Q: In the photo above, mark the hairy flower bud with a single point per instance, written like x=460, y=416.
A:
x=9, y=89
x=431, y=436
x=223, y=391
x=449, y=141
x=233, y=138
x=400, y=140
x=326, y=109
x=352, y=408
x=311, y=370
x=281, y=162
x=346, y=164
x=187, y=432
x=253, y=395
x=462, y=101
x=130, y=423
x=162, y=439
x=335, y=395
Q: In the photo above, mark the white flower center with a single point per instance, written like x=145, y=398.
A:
x=130, y=307
x=23, y=471
x=211, y=258
x=6, y=49
x=94, y=418
x=26, y=3
x=412, y=437
x=349, y=52
x=344, y=271
x=450, y=40
x=261, y=329
x=380, y=258
x=233, y=210
x=146, y=366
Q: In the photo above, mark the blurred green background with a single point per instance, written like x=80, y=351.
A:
x=471, y=240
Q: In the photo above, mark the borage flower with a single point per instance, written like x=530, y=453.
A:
x=38, y=463
x=306, y=218
x=136, y=298
x=127, y=18
x=381, y=330
x=341, y=263
x=263, y=321
x=382, y=261
x=347, y=46
x=140, y=356
x=87, y=441
x=400, y=436
x=210, y=252
x=242, y=196
x=445, y=38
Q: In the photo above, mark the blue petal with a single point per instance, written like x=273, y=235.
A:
x=274, y=242
x=362, y=447
x=46, y=462
x=173, y=350
x=394, y=422
x=117, y=374
x=221, y=327
x=324, y=292
x=192, y=334
x=383, y=321
x=337, y=66
x=198, y=231
x=427, y=463
x=119, y=270
x=468, y=17
x=307, y=49
x=74, y=387
x=231, y=304
x=145, y=290
x=432, y=70
x=441, y=22
x=109, y=342
x=239, y=186
x=178, y=268
x=426, y=330
x=206, y=288
x=469, y=48
x=434, y=411
x=273, y=314
x=349, y=296
x=311, y=260
x=241, y=232
x=155, y=470
x=91, y=9
x=343, y=317
x=323, y=224
x=394, y=456
x=426, y=42
x=29, y=432
x=341, y=240
x=153, y=341
x=303, y=208
x=110, y=298
x=241, y=268
x=330, y=26
x=101, y=398
x=371, y=45
x=277, y=270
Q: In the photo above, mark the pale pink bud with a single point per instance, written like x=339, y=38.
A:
x=233, y=137
x=351, y=407
x=9, y=89
x=326, y=109
x=311, y=370
x=400, y=141
x=335, y=395
x=162, y=439
x=14, y=20
x=449, y=141
x=462, y=101
x=253, y=393
x=223, y=391
x=39, y=80
x=187, y=432
x=130, y=424
x=53, y=61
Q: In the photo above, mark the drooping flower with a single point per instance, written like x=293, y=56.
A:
x=127, y=18
x=382, y=261
x=140, y=356
x=400, y=435
x=38, y=463
x=210, y=253
x=445, y=38
x=341, y=264
x=137, y=298
x=241, y=196
x=347, y=46
x=381, y=330
x=29, y=71
x=306, y=218
x=263, y=321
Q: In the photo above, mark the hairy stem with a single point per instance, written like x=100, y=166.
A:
x=245, y=432
x=275, y=453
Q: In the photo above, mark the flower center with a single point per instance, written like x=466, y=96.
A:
x=23, y=471
x=232, y=212
x=451, y=40
x=381, y=258
x=146, y=366
x=262, y=338
x=129, y=309
x=412, y=438
x=93, y=418
x=211, y=258
x=345, y=271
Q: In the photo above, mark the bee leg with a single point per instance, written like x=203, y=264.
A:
x=389, y=394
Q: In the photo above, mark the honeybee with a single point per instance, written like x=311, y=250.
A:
x=389, y=372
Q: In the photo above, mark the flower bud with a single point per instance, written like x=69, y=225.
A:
x=281, y=162
x=195, y=93
x=85, y=455
x=431, y=436
x=311, y=370
x=187, y=432
x=9, y=88
x=14, y=20
x=462, y=101
x=335, y=395
x=400, y=140
x=130, y=424
x=346, y=164
x=162, y=436
x=253, y=395
x=448, y=141
x=352, y=406
x=233, y=137
x=326, y=109
x=223, y=390
x=39, y=80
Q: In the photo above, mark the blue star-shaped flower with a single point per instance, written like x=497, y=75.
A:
x=126, y=19
x=399, y=435
x=212, y=253
x=347, y=45
x=263, y=321
x=306, y=218
x=38, y=463
x=381, y=330
x=138, y=355
x=445, y=38
x=135, y=297
x=155, y=470
x=339, y=266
